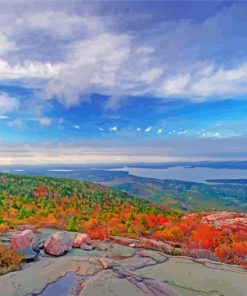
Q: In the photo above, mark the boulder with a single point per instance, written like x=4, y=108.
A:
x=58, y=244
x=81, y=238
x=27, y=253
x=23, y=240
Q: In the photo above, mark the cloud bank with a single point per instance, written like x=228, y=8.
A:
x=93, y=151
x=73, y=54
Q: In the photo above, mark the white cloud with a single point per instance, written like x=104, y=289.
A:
x=42, y=120
x=113, y=129
x=160, y=130
x=207, y=83
x=151, y=75
x=175, y=85
x=222, y=134
x=80, y=53
x=210, y=134
x=5, y=44
x=7, y=103
x=148, y=129
x=61, y=24
x=221, y=82
x=28, y=69
x=99, y=58
x=76, y=127
x=179, y=132
x=16, y=123
x=145, y=50
x=172, y=132
x=182, y=132
x=138, y=129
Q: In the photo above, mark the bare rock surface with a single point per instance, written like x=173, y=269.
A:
x=191, y=278
x=86, y=247
x=102, y=246
x=120, y=271
x=220, y=219
x=122, y=283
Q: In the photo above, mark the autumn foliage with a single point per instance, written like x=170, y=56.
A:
x=100, y=212
x=9, y=260
x=98, y=233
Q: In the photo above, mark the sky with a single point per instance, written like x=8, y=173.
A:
x=122, y=81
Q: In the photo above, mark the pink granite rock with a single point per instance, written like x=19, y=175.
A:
x=58, y=244
x=153, y=244
x=82, y=238
x=25, y=239
x=220, y=219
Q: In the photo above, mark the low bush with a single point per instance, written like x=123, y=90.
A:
x=9, y=260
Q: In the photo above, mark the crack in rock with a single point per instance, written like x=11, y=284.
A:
x=146, y=285
x=213, y=292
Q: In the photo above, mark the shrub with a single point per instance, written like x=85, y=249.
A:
x=97, y=232
x=9, y=260
x=4, y=229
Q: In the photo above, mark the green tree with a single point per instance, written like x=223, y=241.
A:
x=73, y=223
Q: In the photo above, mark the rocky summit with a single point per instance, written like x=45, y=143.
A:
x=116, y=270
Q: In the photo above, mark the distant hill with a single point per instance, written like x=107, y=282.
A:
x=71, y=204
x=171, y=193
x=186, y=195
x=230, y=195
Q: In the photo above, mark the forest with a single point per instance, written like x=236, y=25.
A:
x=102, y=212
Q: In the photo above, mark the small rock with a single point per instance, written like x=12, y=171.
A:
x=153, y=244
x=58, y=244
x=86, y=247
x=25, y=227
x=104, y=262
x=103, y=246
x=124, y=241
x=81, y=239
x=5, y=239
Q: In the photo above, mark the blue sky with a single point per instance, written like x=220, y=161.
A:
x=119, y=81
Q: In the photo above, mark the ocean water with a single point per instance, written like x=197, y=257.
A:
x=187, y=173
